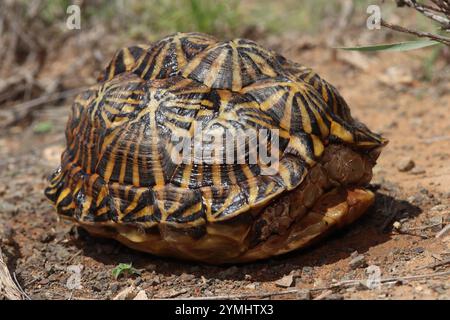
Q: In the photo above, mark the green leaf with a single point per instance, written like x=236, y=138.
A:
x=124, y=269
x=400, y=46
x=43, y=127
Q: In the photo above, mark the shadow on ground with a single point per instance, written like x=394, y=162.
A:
x=371, y=230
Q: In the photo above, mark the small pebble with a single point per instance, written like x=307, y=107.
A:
x=285, y=282
x=114, y=287
x=440, y=207
x=138, y=281
x=126, y=294
x=418, y=170
x=141, y=296
x=397, y=225
x=405, y=165
x=357, y=262
x=307, y=270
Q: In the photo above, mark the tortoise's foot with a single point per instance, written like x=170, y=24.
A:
x=333, y=210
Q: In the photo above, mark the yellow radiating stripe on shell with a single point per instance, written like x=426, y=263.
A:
x=297, y=144
x=369, y=143
x=135, y=167
x=318, y=145
x=85, y=206
x=78, y=186
x=110, y=109
x=259, y=121
x=269, y=188
x=175, y=204
x=64, y=193
x=77, y=137
x=74, y=170
x=186, y=176
x=340, y=132
x=287, y=114
x=123, y=164
x=102, y=194
x=159, y=62
x=194, y=63
x=156, y=163
x=237, y=80
x=128, y=108
x=111, y=160
x=149, y=63
x=322, y=126
x=146, y=211
x=177, y=117
x=285, y=175
x=105, y=118
x=270, y=101
x=325, y=93
x=207, y=103
x=188, y=105
x=192, y=209
x=264, y=67
x=102, y=211
x=98, y=99
x=181, y=60
x=310, y=75
x=128, y=59
x=306, y=121
x=135, y=201
x=89, y=151
x=184, y=85
x=229, y=200
x=112, y=68
x=253, y=192
x=257, y=114
x=207, y=200
x=214, y=71
x=69, y=206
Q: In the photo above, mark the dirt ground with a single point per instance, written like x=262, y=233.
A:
x=398, y=235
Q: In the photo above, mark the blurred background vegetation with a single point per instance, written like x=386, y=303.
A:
x=227, y=18
x=40, y=55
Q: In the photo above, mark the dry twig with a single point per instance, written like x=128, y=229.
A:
x=7, y=286
x=436, y=264
x=420, y=34
x=21, y=110
x=338, y=285
x=438, y=11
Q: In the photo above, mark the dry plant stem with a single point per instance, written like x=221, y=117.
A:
x=7, y=286
x=337, y=285
x=436, y=264
x=21, y=110
x=430, y=11
x=420, y=34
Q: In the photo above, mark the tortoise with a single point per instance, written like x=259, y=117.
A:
x=118, y=177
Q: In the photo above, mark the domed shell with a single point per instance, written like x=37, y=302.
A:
x=123, y=133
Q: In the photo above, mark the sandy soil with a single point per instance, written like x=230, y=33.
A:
x=384, y=91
